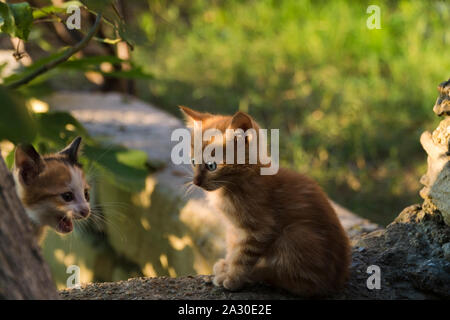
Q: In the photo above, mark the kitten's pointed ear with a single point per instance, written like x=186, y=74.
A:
x=192, y=115
x=243, y=121
x=72, y=150
x=29, y=163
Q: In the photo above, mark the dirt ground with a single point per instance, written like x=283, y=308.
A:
x=191, y=287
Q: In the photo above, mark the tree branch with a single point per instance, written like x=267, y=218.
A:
x=70, y=52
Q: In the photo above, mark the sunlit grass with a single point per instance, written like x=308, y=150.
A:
x=350, y=102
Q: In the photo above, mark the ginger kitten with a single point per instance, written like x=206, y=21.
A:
x=52, y=188
x=283, y=230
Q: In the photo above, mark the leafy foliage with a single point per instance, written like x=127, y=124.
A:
x=17, y=124
x=52, y=131
x=16, y=19
x=52, y=9
x=82, y=65
x=93, y=64
x=6, y=19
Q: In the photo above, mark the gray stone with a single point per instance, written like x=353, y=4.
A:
x=446, y=250
x=442, y=105
x=436, y=181
x=407, y=271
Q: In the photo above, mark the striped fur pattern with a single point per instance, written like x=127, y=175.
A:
x=282, y=229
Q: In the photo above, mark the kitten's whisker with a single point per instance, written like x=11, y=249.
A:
x=97, y=224
x=81, y=225
x=109, y=147
x=187, y=169
x=189, y=190
x=101, y=219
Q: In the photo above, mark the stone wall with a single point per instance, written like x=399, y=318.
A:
x=436, y=181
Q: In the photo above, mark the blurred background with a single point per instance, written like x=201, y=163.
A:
x=350, y=104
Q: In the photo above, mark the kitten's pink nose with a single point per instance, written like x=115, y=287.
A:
x=84, y=212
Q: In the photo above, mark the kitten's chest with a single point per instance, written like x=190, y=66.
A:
x=218, y=200
x=223, y=204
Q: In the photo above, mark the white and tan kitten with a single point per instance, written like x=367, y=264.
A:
x=52, y=188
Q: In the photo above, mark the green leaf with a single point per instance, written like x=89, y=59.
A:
x=126, y=34
x=23, y=17
x=50, y=10
x=2, y=66
x=83, y=65
x=59, y=126
x=132, y=158
x=89, y=63
x=16, y=122
x=9, y=160
x=37, y=64
x=40, y=13
x=136, y=73
x=92, y=64
x=124, y=168
x=6, y=19
x=97, y=5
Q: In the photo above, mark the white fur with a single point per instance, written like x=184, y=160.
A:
x=77, y=186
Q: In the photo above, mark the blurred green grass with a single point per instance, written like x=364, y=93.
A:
x=350, y=102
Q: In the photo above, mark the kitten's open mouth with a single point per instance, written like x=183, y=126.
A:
x=65, y=225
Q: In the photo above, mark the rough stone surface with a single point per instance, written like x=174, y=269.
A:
x=190, y=287
x=442, y=105
x=436, y=181
x=412, y=253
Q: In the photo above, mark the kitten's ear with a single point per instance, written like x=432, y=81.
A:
x=192, y=115
x=72, y=150
x=243, y=121
x=29, y=163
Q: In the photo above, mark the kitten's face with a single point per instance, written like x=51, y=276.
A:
x=52, y=188
x=211, y=176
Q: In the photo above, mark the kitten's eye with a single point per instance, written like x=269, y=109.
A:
x=211, y=166
x=67, y=196
x=86, y=194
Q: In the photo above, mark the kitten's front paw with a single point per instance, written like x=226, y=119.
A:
x=220, y=267
x=220, y=272
x=218, y=279
x=233, y=283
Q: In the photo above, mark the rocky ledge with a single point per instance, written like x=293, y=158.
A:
x=412, y=253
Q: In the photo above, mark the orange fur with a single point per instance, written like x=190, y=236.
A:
x=284, y=232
